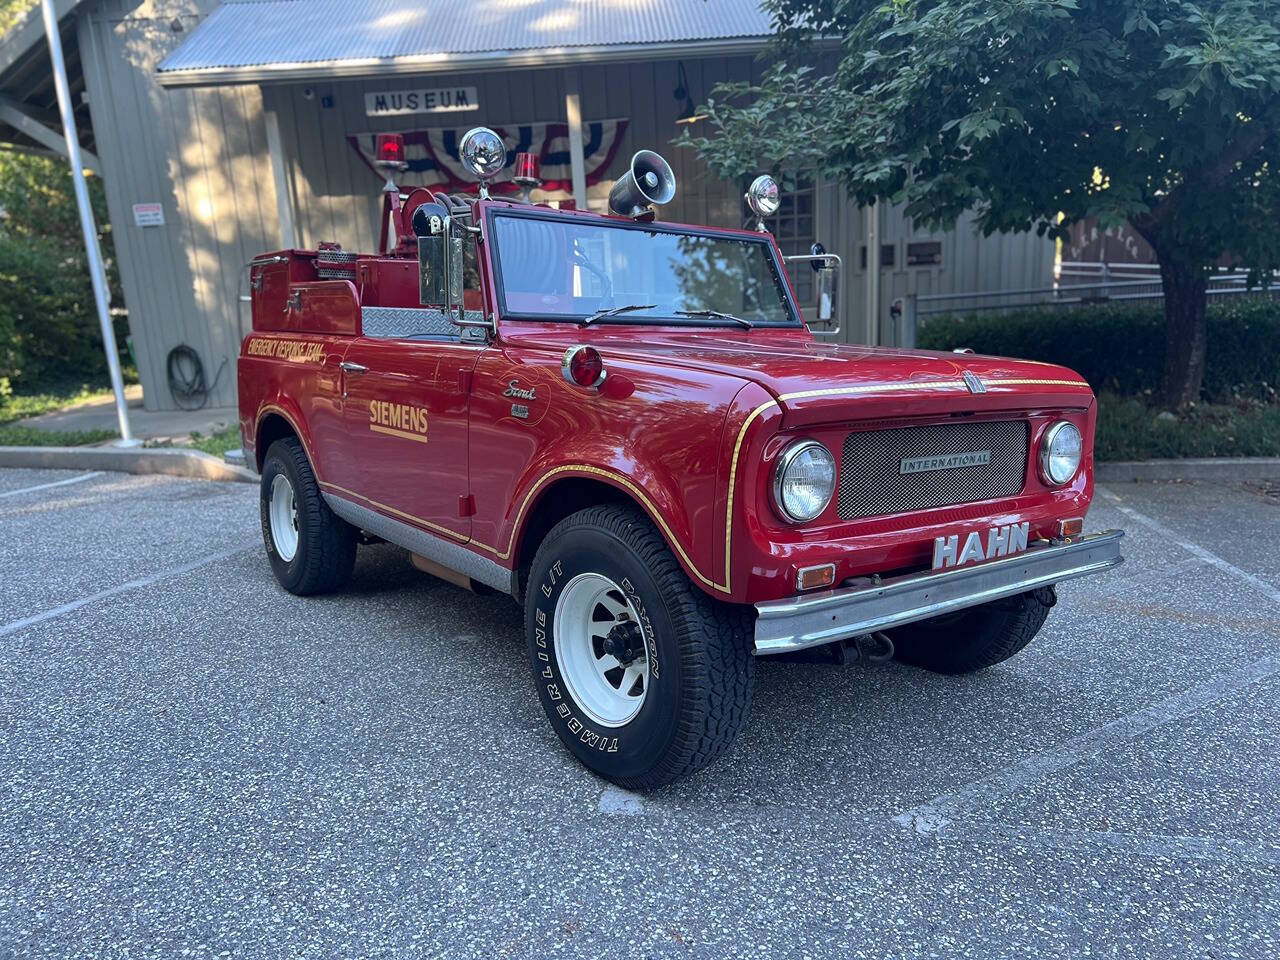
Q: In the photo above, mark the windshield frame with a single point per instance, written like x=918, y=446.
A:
x=496, y=210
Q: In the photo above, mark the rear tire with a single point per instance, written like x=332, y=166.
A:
x=644, y=677
x=974, y=639
x=310, y=548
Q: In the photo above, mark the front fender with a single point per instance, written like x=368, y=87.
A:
x=655, y=434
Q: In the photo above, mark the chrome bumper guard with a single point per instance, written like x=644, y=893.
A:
x=866, y=606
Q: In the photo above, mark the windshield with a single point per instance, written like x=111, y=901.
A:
x=553, y=269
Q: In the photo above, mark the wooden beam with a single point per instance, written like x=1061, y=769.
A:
x=18, y=116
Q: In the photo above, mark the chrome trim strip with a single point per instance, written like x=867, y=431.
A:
x=452, y=555
x=807, y=621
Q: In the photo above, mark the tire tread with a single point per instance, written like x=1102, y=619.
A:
x=714, y=641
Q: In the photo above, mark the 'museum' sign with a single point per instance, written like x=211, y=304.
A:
x=391, y=103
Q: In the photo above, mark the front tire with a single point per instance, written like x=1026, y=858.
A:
x=976, y=638
x=644, y=677
x=311, y=549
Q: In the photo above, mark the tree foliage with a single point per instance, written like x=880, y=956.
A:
x=1035, y=114
x=48, y=323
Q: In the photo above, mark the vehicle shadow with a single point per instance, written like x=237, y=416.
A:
x=860, y=736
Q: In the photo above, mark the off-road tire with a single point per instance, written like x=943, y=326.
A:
x=976, y=638
x=700, y=693
x=326, y=550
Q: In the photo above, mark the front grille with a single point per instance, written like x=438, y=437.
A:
x=872, y=482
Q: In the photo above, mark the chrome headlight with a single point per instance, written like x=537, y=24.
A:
x=1061, y=448
x=803, y=481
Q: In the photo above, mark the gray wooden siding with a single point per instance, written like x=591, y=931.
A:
x=202, y=155
x=336, y=197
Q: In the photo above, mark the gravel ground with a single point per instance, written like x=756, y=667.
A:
x=195, y=763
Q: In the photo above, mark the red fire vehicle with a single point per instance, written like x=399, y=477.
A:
x=628, y=426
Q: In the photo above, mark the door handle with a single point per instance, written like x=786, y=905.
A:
x=350, y=367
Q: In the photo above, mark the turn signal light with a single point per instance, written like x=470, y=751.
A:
x=1071, y=527
x=810, y=578
x=583, y=366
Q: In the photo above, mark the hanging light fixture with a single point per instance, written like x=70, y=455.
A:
x=689, y=113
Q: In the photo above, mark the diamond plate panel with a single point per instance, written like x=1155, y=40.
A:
x=395, y=322
x=871, y=483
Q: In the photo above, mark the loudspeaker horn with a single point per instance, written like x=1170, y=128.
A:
x=649, y=181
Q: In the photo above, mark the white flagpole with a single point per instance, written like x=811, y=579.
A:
x=96, y=272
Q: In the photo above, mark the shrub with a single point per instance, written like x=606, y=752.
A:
x=1130, y=430
x=1120, y=348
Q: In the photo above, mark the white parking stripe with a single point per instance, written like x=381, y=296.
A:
x=1262, y=586
x=935, y=816
x=55, y=612
x=56, y=483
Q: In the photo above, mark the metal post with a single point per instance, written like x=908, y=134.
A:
x=577, y=163
x=872, y=287
x=97, y=274
x=907, y=333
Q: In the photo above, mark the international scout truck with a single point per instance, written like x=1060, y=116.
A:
x=628, y=426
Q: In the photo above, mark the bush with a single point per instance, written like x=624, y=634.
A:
x=1120, y=348
x=1130, y=430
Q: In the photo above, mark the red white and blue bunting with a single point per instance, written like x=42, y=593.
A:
x=433, y=155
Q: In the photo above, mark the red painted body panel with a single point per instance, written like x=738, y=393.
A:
x=688, y=424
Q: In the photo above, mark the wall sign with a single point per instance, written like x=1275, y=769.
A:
x=392, y=103
x=148, y=215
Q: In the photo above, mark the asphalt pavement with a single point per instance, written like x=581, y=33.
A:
x=195, y=763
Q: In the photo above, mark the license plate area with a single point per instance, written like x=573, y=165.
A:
x=977, y=546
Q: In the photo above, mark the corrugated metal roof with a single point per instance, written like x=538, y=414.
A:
x=263, y=39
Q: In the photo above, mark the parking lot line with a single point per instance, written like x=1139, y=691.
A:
x=935, y=815
x=58, y=611
x=55, y=483
x=1207, y=556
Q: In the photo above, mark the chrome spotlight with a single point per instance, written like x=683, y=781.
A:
x=763, y=197
x=484, y=154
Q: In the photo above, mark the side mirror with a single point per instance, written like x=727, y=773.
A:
x=431, y=225
x=826, y=268
x=433, y=283
x=828, y=291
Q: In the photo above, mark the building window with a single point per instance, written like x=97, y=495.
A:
x=888, y=255
x=927, y=253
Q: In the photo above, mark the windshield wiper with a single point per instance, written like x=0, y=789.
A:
x=615, y=311
x=715, y=315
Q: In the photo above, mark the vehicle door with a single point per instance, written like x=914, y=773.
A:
x=406, y=390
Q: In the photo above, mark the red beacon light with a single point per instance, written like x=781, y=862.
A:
x=389, y=151
x=583, y=366
x=527, y=174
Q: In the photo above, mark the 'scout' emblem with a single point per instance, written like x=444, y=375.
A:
x=520, y=393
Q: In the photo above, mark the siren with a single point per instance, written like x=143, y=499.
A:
x=648, y=182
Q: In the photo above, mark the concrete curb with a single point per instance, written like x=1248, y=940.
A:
x=173, y=461
x=1214, y=468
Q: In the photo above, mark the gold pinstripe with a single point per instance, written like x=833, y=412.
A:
x=399, y=513
x=640, y=495
x=733, y=476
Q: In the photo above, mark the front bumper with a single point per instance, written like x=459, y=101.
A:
x=866, y=606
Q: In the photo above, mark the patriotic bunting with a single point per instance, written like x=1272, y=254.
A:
x=433, y=155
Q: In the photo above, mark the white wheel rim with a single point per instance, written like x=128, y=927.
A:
x=608, y=690
x=283, y=512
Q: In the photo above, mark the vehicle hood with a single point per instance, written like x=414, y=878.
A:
x=814, y=381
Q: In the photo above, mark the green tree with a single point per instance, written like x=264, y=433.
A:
x=49, y=332
x=1036, y=114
